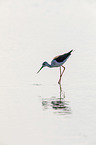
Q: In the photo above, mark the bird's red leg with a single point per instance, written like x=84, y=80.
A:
x=63, y=70
x=61, y=74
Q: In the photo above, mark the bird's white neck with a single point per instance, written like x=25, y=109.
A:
x=48, y=65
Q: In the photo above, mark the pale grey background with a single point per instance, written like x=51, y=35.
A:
x=32, y=31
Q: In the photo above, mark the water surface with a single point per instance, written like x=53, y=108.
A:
x=30, y=108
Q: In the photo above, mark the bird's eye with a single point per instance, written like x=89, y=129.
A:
x=44, y=63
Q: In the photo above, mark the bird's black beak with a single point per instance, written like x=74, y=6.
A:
x=40, y=69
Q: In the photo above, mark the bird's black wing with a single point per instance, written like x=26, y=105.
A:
x=61, y=58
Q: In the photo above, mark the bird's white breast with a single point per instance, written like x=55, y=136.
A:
x=54, y=63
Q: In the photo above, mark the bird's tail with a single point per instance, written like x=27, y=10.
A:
x=71, y=51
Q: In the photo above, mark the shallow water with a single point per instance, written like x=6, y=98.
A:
x=28, y=115
x=31, y=111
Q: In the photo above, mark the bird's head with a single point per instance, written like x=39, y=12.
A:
x=43, y=65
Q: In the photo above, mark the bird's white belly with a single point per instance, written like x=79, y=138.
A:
x=54, y=63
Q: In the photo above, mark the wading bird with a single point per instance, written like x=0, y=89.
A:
x=57, y=61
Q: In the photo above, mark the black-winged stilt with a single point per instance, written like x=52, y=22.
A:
x=57, y=61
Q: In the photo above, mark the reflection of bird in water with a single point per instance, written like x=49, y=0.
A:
x=60, y=106
x=57, y=61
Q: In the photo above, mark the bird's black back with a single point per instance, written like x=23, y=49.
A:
x=61, y=58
